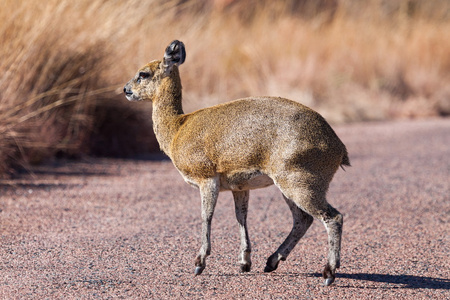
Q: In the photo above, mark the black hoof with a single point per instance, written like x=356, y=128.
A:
x=245, y=268
x=199, y=270
x=328, y=275
x=269, y=268
x=328, y=281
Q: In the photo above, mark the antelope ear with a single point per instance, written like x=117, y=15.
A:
x=174, y=56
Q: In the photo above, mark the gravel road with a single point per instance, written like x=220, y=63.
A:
x=108, y=228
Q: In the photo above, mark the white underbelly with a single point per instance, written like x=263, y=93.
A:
x=243, y=184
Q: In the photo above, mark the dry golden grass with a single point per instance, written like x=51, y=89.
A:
x=64, y=64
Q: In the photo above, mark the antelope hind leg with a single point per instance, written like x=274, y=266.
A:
x=301, y=222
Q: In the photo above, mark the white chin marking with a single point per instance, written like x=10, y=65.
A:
x=130, y=98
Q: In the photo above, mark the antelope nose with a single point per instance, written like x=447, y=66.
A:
x=126, y=91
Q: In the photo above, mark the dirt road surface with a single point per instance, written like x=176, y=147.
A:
x=112, y=229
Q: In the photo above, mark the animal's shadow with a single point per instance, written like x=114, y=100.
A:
x=406, y=281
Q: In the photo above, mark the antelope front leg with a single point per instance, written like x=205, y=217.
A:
x=241, y=208
x=209, y=190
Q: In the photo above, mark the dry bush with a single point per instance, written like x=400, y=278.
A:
x=64, y=64
x=56, y=96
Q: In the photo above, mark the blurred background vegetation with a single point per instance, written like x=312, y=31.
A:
x=64, y=63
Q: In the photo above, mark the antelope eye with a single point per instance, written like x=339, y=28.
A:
x=144, y=75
